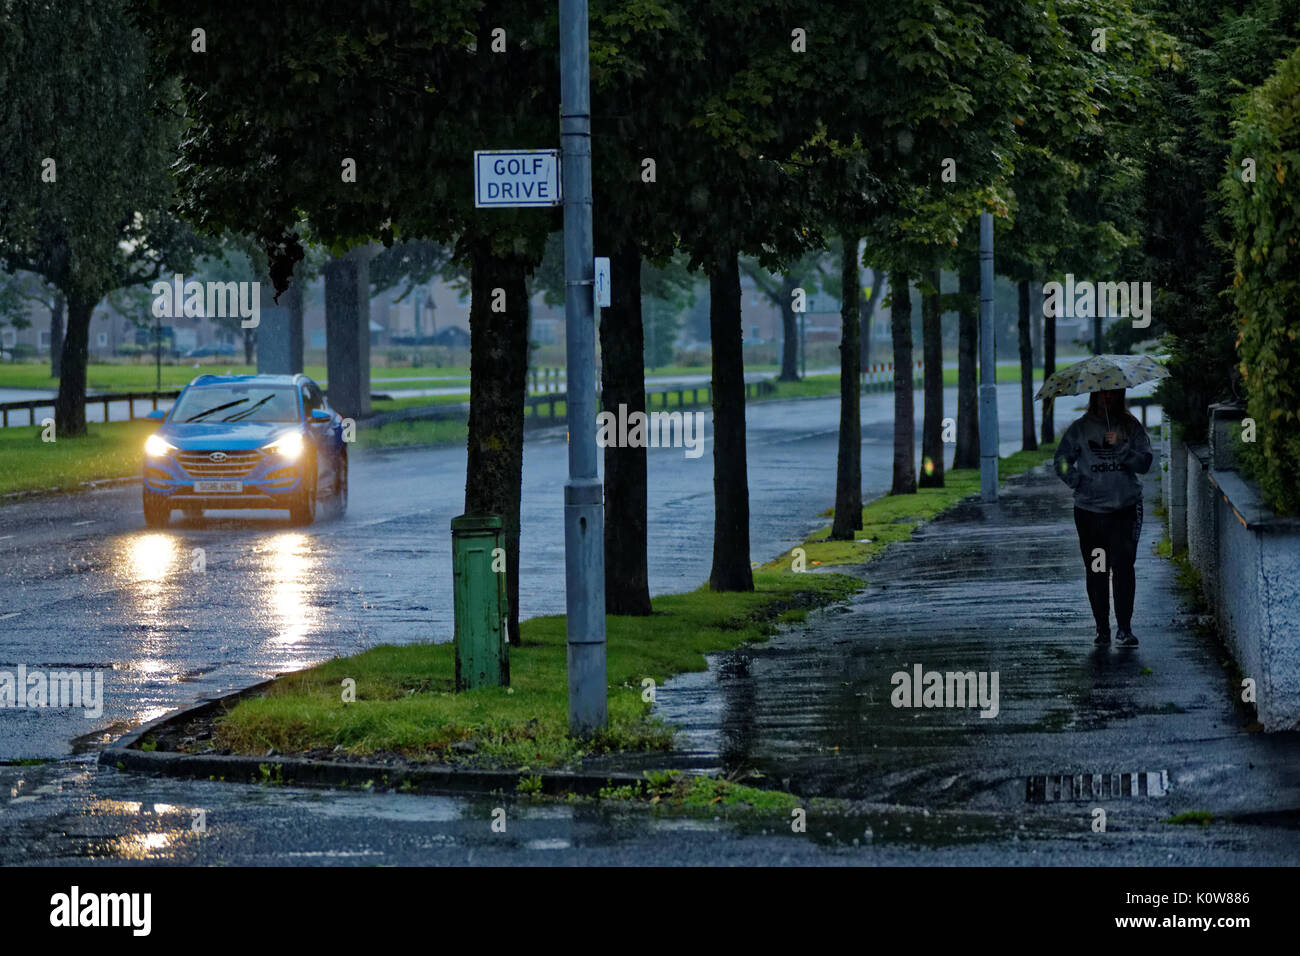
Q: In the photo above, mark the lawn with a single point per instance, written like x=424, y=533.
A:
x=108, y=451
x=403, y=434
x=1006, y=373
x=142, y=378
x=416, y=401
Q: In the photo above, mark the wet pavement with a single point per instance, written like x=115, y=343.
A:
x=998, y=589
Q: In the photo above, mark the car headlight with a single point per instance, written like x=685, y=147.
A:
x=288, y=447
x=156, y=447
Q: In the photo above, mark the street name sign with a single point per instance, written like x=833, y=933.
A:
x=516, y=177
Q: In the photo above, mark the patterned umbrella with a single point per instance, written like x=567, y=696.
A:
x=1101, y=373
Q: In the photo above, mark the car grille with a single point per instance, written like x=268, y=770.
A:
x=199, y=464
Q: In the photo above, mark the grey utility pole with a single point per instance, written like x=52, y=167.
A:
x=584, y=533
x=988, y=368
x=803, y=345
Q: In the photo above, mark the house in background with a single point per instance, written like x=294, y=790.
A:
x=113, y=333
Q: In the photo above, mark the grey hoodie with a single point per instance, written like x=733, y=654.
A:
x=1104, y=477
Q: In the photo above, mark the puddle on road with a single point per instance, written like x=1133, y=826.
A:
x=547, y=844
x=97, y=740
x=408, y=808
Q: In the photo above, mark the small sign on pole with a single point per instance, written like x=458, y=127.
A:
x=603, y=288
x=516, y=177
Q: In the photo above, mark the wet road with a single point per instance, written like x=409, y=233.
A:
x=169, y=617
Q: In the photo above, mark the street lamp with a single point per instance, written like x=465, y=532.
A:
x=584, y=535
x=988, y=403
x=157, y=354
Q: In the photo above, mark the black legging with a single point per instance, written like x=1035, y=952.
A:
x=1116, y=533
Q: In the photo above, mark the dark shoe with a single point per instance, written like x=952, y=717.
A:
x=1125, y=638
x=1103, y=637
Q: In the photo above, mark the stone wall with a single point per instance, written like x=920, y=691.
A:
x=1249, y=562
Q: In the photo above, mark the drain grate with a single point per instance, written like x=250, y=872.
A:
x=1063, y=787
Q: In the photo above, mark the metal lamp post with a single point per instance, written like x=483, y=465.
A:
x=584, y=536
x=988, y=368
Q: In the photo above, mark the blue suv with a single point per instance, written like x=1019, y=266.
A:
x=246, y=441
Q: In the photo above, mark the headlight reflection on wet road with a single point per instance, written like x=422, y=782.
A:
x=151, y=564
x=288, y=572
x=149, y=559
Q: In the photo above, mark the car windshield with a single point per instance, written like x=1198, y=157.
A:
x=237, y=403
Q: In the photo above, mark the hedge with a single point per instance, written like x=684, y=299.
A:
x=1265, y=220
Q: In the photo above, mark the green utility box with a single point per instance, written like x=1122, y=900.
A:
x=482, y=641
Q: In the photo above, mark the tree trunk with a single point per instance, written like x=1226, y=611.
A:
x=498, y=369
x=347, y=331
x=967, y=452
x=1029, y=439
x=1049, y=366
x=868, y=316
x=1036, y=323
x=932, y=345
x=789, y=332
x=848, y=469
x=250, y=346
x=70, y=405
x=731, y=570
x=627, y=587
x=900, y=315
x=296, y=295
x=56, y=334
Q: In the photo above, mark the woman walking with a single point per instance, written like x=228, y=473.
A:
x=1100, y=457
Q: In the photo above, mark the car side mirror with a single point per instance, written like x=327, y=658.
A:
x=320, y=415
x=157, y=413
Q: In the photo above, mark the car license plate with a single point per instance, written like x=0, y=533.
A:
x=209, y=487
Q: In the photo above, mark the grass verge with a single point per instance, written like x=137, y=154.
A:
x=106, y=377
x=894, y=517
x=681, y=791
x=1199, y=817
x=111, y=450
x=405, y=702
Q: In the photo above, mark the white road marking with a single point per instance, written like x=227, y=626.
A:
x=5, y=617
x=78, y=523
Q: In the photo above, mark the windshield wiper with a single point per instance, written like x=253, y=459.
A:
x=240, y=416
x=218, y=408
